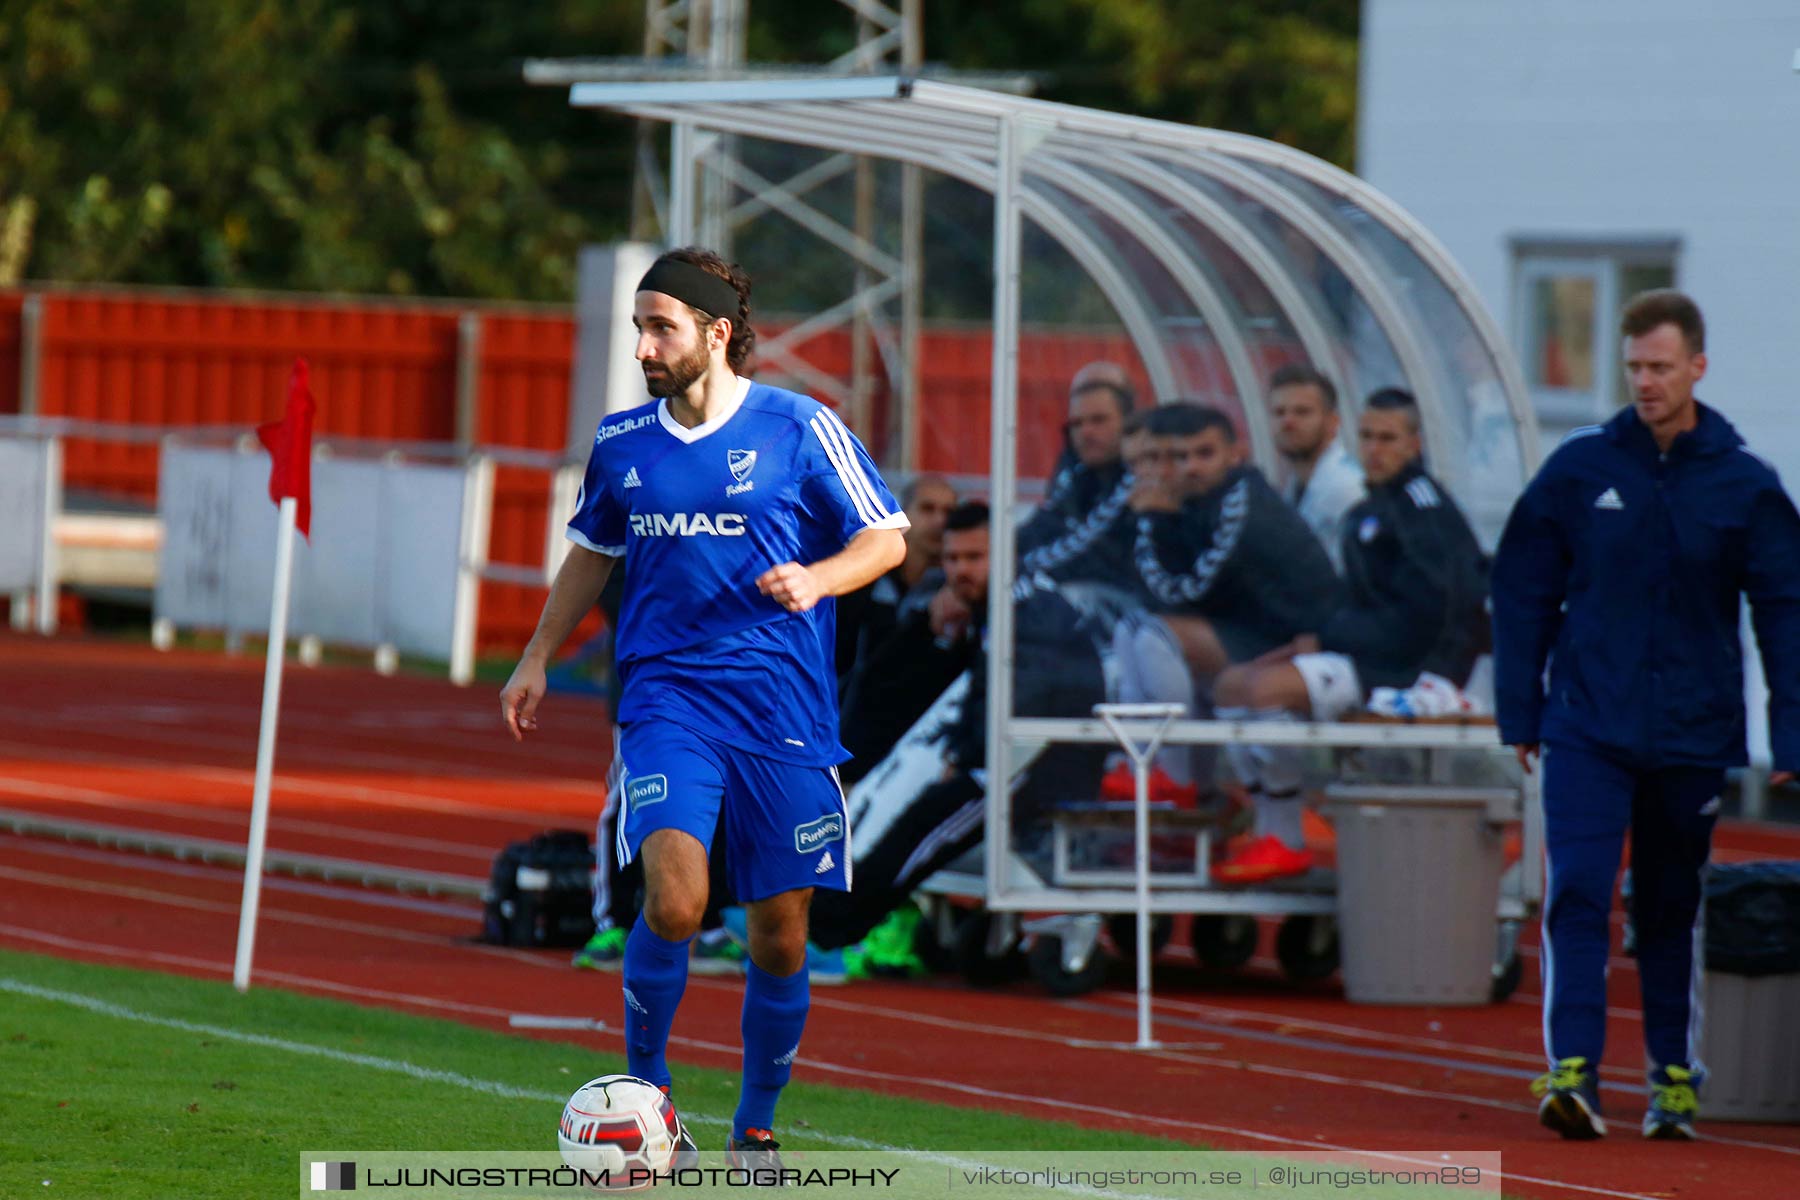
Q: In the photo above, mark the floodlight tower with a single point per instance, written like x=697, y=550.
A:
x=709, y=35
x=704, y=170
x=703, y=40
x=886, y=40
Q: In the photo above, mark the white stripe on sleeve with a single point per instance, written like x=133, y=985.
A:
x=847, y=448
x=869, y=516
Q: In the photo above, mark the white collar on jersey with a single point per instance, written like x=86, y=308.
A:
x=682, y=433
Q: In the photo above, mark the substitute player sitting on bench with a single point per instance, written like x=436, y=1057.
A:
x=1083, y=529
x=1234, y=569
x=1417, y=583
x=1232, y=572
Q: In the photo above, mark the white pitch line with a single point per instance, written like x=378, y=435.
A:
x=491, y=1087
x=1238, y=1063
x=951, y=1023
x=303, y=983
x=106, y=1008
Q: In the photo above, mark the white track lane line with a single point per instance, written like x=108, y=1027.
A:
x=195, y=904
x=222, y=968
x=236, y=819
x=1614, y=962
x=429, y=759
x=413, y=729
x=151, y=896
x=1274, y=1021
x=1537, y=1002
x=1172, y=1055
x=457, y=910
x=232, y=777
x=1234, y=1062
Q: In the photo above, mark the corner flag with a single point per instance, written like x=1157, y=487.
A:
x=290, y=485
x=290, y=446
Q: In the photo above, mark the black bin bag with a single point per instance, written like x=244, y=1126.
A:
x=1753, y=918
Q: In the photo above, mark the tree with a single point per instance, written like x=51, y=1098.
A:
x=270, y=143
x=340, y=145
x=1280, y=69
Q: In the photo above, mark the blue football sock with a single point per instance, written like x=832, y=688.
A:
x=655, y=977
x=774, y=1016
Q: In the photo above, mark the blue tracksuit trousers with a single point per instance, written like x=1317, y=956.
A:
x=1589, y=802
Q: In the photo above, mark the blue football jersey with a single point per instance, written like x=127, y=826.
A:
x=701, y=513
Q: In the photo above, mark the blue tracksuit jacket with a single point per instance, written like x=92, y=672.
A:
x=1622, y=566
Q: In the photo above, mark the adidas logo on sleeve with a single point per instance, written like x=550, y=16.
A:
x=1610, y=499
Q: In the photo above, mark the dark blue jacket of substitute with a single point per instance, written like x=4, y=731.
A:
x=1623, y=567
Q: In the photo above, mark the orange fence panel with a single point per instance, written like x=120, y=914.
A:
x=10, y=304
x=526, y=365
x=956, y=369
x=388, y=371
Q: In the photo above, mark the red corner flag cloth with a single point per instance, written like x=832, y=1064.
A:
x=290, y=444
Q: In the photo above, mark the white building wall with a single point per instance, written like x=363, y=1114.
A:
x=1496, y=119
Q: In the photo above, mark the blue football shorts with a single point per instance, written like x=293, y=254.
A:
x=786, y=826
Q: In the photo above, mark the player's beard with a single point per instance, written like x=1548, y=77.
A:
x=678, y=375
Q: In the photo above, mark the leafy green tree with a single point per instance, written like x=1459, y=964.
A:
x=1280, y=69
x=271, y=143
x=342, y=145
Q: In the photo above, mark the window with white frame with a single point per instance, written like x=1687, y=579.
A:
x=1567, y=295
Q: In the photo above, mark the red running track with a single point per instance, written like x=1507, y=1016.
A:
x=416, y=773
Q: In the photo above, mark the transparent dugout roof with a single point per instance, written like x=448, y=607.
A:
x=1223, y=256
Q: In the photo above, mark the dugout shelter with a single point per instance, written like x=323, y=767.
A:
x=1219, y=256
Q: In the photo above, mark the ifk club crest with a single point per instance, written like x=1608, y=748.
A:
x=741, y=462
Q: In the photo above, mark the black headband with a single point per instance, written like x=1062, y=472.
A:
x=692, y=286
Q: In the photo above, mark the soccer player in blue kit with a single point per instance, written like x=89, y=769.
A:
x=744, y=509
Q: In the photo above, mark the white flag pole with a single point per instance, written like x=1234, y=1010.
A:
x=265, y=744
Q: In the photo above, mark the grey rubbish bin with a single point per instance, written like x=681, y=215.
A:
x=1752, y=992
x=1752, y=1058
x=1418, y=886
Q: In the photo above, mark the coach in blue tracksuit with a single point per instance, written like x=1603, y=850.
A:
x=1622, y=565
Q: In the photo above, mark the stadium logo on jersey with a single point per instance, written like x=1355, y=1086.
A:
x=631, y=479
x=1368, y=529
x=651, y=789
x=687, y=524
x=741, y=462
x=1610, y=499
x=618, y=427
x=815, y=835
